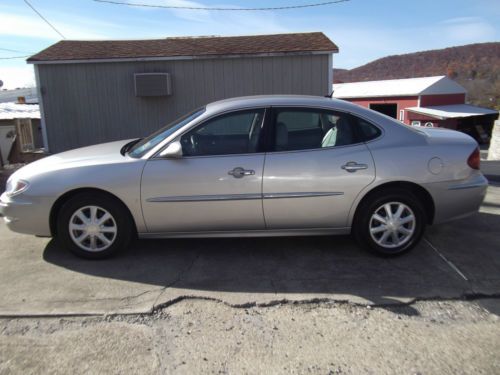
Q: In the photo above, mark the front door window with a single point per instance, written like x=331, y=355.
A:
x=233, y=133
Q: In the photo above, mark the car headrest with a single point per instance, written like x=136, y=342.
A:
x=281, y=136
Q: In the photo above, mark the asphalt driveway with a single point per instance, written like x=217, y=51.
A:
x=456, y=260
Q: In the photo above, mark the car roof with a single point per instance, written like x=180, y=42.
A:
x=278, y=100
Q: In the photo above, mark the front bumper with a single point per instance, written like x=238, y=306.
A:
x=29, y=215
x=457, y=199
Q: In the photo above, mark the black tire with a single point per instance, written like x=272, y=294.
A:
x=363, y=220
x=120, y=216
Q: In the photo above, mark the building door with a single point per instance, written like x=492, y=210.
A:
x=389, y=109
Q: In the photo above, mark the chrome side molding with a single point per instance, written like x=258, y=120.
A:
x=205, y=198
x=237, y=197
x=300, y=195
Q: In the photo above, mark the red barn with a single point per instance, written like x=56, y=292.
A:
x=428, y=101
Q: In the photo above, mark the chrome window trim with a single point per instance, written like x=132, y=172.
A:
x=209, y=156
x=315, y=149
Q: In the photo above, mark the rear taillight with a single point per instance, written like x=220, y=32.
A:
x=474, y=159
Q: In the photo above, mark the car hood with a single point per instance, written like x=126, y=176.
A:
x=104, y=153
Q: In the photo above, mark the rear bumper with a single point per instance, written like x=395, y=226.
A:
x=457, y=199
x=29, y=215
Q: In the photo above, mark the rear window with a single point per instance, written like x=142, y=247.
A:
x=367, y=130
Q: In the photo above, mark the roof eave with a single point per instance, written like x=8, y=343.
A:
x=427, y=114
x=173, y=58
x=374, y=96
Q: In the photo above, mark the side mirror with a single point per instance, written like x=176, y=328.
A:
x=173, y=151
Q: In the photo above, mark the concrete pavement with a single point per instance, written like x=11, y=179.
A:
x=207, y=337
x=455, y=260
x=491, y=169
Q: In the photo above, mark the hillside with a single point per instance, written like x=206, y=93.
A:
x=474, y=66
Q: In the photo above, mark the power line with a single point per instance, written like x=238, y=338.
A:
x=13, y=50
x=221, y=9
x=14, y=57
x=43, y=18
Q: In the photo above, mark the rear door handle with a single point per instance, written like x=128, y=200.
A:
x=352, y=166
x=239, y=172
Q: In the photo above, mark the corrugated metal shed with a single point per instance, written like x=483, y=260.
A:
x=89, y=89
x=398, y=87
x=11, y=111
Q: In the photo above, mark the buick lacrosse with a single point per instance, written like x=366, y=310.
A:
x=253, y=166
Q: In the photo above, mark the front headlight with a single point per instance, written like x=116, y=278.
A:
x=15, y=187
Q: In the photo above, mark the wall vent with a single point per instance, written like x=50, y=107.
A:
x=152, y=84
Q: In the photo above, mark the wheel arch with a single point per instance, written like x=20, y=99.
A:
x=420, y=192
x=56, y=207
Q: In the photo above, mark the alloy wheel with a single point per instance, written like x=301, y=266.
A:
x=92, y=228
x=392, y=225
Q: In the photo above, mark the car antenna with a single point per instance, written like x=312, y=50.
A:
x=330, y=95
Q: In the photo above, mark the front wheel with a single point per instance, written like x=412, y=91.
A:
x=94, y=226
x=389, y=223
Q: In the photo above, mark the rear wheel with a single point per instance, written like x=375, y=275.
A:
x=94, y=226
x=389, y=223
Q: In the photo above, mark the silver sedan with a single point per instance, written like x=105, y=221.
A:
x=253, y=166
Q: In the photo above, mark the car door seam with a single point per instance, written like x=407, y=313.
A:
x=262, y=189
x=141, y=197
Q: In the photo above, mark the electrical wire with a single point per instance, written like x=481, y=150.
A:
x=43, y=18
x=14, y=57
x=221, y=9
x=13, y=50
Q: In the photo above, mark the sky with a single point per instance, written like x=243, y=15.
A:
x=364, y=30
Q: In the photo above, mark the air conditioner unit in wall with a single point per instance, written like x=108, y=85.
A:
x=152, y=84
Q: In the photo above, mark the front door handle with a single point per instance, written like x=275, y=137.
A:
x=352, y=166
x=239, y=172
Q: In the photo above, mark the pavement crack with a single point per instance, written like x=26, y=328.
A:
x=312, y=301
x=446, y=260
x=125, y=298
x=176, y=280
x=278, y=302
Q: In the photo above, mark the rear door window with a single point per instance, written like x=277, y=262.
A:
x=367, y=130
x=305, y=129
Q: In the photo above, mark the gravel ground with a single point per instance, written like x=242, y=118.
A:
x=204, y=336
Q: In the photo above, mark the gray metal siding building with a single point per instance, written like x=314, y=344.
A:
x=86, y=98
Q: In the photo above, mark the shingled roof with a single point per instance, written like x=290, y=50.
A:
x=67, y=50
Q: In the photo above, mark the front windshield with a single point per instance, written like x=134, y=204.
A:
x=146, y=144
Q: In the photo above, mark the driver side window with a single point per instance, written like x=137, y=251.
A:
x=232, y=133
